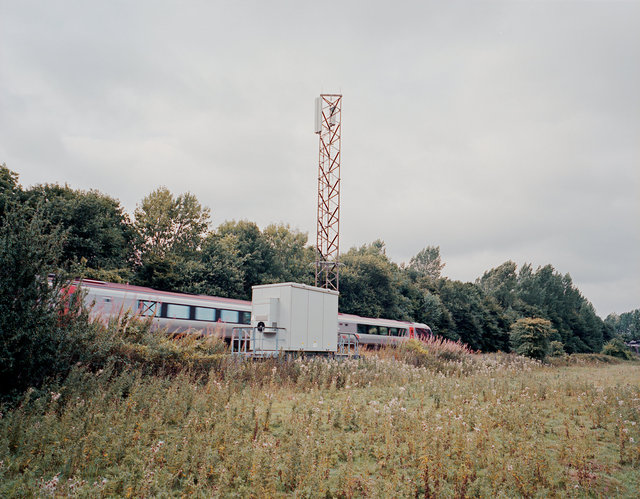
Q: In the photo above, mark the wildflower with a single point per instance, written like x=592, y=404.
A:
x=55, y=396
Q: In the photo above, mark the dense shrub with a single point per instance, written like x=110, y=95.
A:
x=617, y=348
x=556, y=349
x=530, y=337
x=31, y=332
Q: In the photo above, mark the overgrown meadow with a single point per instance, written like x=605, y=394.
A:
x=415, y=421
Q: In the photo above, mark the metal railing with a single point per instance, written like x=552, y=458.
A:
x=348, y=344
x=246, y=342
x=241, y=340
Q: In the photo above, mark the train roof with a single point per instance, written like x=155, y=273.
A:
x=92, y=283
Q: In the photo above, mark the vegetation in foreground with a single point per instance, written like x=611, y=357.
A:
x=402, y=422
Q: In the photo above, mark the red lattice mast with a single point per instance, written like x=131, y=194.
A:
x=329, y=128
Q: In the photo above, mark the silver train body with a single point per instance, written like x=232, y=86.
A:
x=211, y=315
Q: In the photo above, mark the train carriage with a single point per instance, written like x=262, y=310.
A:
x=185, y=313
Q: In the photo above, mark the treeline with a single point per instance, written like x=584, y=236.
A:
x=626, y=325
x=168, y=244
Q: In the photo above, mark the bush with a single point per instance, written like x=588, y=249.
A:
x=556, y=349
x=30, y=330
x=617, y=348
x=530, y=337
x=44, y=328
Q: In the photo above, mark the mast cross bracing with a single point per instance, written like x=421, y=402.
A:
x=328, y=128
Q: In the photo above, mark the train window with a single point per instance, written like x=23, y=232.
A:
x=393, y=331
x=177, y=311
x=205, y=314
x=230, y=316
x=147, y=308
x=372, y=330
x=383, y=331
x=404, y=332
x=423, y=333
x=245, y=317
x=362, y=329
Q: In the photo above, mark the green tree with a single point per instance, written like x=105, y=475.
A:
x=477, y=319
x=30, y=335
x=427, y=262
x=500, y=283
x=98, y=230
x=531, y=337
x=546, y=293
x=556, y=349
x=626, y=325
x=9, y=187
x=167, y=224
x=429, y=309
x=169, y=235
x=256, y=256
x=370, y=284
x=292, y=260
x=220, y=268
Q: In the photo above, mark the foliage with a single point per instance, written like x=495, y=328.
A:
x=219, y=270
x=556, y=349
x=477, y=320
x=169, y=233
x=370, y=284
x=99, y=234
x=546, y=293
x=374, y=427
x=617, y=348
x=427, y=262
x=292, y=260
x=244, y=257
x=428, y=308
x=9, y=188
x=500, y=283
x=626, y=325
x=530, y=337
x=170, y=225
x=435, y=353
x=32, y=331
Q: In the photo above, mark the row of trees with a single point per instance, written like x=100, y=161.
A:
x=626, y=325
x=168, y=244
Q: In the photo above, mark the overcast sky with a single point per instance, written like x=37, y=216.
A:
x=502, y=130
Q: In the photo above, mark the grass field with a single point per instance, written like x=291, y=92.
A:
x=482, y=425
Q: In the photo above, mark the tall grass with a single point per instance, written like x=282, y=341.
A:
x=391, y=424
